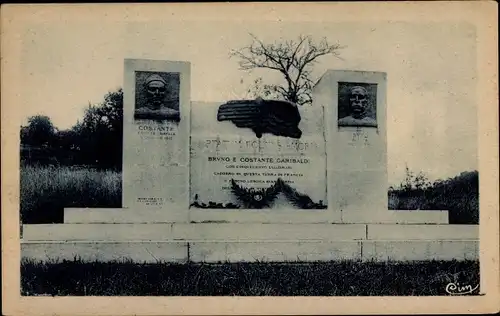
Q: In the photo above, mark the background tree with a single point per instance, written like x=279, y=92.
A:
x=39, y=132
x=266, y=91
x=100, y=133
x=96, y=140
x=66, y=139
x=293, y=59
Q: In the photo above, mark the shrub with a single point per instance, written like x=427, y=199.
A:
x=459, y=195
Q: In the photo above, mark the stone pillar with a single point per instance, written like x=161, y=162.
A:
x=156, y=125
x=355, y=119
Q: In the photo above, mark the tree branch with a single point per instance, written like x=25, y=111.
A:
x=292, y=59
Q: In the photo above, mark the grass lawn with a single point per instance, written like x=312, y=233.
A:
x=46, y=191
x=339, y=278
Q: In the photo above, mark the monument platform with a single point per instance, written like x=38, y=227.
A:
x=94, y=236
x=252, y=180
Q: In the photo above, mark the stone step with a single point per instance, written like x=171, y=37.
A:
x=193, y=232
x=247, y=231
x=179, y=251
x=284, y=216
x=124, y=215
x=137, y=252
x=396, y=217
x=320, y=216
x=416, y=250
x=419, y=232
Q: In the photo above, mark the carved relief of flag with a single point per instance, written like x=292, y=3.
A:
x=280, y=118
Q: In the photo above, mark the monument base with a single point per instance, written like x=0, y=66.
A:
x=218, y=251
x=94, y=234
x=124, y=215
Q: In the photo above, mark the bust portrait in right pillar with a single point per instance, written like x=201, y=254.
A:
x=356, y=105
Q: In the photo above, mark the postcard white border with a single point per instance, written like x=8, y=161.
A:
x=482, y=14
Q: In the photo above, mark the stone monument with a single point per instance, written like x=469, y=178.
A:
x=247, y=180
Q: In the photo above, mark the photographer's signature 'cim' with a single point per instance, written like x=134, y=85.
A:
x=457, y=289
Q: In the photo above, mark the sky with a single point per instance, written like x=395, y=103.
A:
x=431, y=71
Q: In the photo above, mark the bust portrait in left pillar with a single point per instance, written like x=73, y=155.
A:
x=157, y=96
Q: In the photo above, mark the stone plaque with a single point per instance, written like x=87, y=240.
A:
x=157, y=96
x=357, y=104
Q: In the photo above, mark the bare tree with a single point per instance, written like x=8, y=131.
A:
x=292, y=58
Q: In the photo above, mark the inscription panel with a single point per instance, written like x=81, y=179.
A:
x=160, y=144
x=220, y=166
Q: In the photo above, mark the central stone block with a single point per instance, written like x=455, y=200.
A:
x=230, y=163
x=180, y=157
x=197, y=161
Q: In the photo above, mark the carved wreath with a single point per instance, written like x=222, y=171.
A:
x=259, y=198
